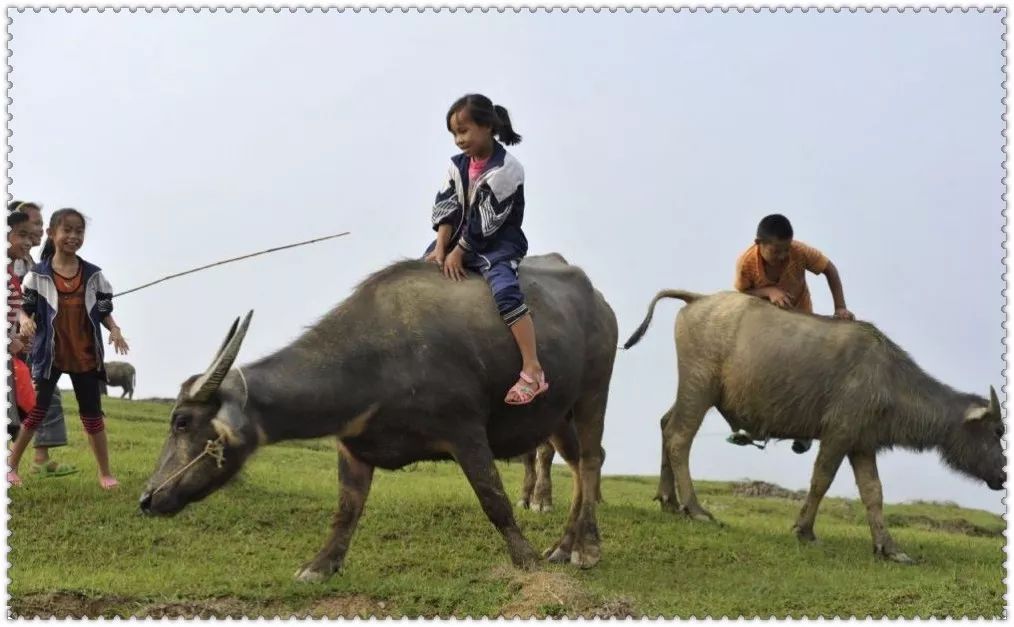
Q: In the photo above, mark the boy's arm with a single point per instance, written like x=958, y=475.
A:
x=771, y=293
x=837, y=292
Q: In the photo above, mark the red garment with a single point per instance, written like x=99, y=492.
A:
x=75, y=340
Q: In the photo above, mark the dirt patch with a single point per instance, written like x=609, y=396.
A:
x=765, y=489
x=76, y=605
x=346, y=607
x=550, y=594
x=950, y=525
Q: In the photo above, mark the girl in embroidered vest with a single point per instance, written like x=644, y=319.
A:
x=67, y=302
x=477, y=216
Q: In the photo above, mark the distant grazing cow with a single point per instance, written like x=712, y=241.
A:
x=120, y=374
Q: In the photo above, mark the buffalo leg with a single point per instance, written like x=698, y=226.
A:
x=666, y=494
x=864, y=466
x=355, y=478
x=542, y=499
x=476, y=460
x=684, y=422
x=589, y=421
x=565, y=441
x=528, y=484
x=829, y=458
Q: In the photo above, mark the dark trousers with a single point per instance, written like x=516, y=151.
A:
x=86, y=389
x=501, y=273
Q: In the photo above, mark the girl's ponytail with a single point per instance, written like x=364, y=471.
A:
x=503, y=129
x=48, y=249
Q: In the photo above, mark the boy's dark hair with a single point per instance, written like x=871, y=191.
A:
x=774, y=227
x=484, y=113
x=15, y=218
x=49, y=248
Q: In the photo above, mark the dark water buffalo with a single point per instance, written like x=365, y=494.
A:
x=120, y=374
x=410, y=367
x=782, y=374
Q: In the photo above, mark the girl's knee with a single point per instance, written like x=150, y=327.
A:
x=94, y=424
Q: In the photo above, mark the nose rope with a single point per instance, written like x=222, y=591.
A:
x=214, y=448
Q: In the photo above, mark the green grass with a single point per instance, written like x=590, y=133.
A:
x=425, y=548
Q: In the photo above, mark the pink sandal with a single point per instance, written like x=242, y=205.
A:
x=13, y=479
x=108, y=483
x=525, y=389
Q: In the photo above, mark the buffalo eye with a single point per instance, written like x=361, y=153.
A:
x=180, y=423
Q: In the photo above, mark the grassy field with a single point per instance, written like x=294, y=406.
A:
x=425, y=548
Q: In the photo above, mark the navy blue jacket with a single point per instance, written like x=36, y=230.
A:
x=486, y=218
x=42, y=300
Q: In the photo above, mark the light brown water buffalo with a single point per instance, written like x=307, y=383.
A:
x=782, y=374
x=410, y=367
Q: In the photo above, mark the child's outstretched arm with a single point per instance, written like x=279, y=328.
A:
x=837, y=292
x=115, y=335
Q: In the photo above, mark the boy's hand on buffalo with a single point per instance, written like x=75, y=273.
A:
x=779, y=297
x=844, y=314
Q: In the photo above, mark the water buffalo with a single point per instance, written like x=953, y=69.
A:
x=120, y=374
x=783, y=374
x=410, y=367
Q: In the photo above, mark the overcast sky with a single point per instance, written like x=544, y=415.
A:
x=652, y=146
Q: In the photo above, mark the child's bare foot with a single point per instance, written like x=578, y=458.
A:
x=13, y=479
x=108, y=482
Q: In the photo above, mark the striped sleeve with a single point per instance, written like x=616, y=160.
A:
x=103, y=295
x=446, y=207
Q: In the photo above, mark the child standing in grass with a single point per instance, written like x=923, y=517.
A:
x=52, y=433
x=67, y=302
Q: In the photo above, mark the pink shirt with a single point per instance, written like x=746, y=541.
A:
x=475, y=167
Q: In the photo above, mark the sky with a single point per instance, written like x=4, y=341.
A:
x=652, y=146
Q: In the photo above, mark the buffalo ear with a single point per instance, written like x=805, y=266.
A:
x=230, y=424
x=976, y=412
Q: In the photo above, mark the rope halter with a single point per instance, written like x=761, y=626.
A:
x=214, y=449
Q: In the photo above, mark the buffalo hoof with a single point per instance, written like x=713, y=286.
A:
x=901, y=558
x=698, y=513
x=306, y=575
x=525, y=558
x=586, y=558
x=804, y=534
x=894, y=556
x=542, y=508
x=522, y=504
x=668, y=504
x=557, y=555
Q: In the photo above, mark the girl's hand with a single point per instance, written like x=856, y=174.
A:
x=437, y=256
x=844, y=314
x=27, y=325
x=16, y=347
x=119, y=344
x=453, y=268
